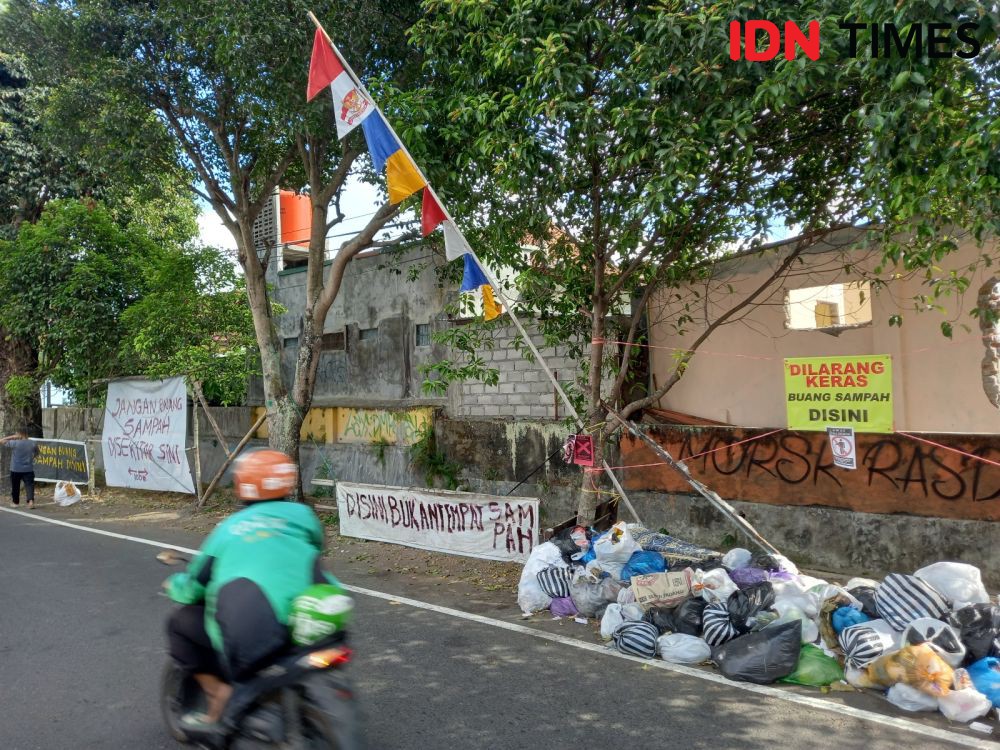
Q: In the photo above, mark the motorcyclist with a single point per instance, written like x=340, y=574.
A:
x=238, y=592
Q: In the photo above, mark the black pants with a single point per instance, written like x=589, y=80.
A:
x=28, y=477
x=251, y=635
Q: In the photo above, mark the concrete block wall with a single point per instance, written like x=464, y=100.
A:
x=523, y=391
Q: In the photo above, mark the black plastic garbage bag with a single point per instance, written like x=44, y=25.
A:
x=744, y=604
x=661, y=617
x=978, y=625
x=571, y=551
x=866, y=595
x=687, y=616
x=762, y=657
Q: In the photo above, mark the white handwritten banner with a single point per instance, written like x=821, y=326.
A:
x=462, y=523
x=145, y=425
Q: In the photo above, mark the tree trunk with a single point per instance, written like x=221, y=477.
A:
x=592, y=484
x=18, y=357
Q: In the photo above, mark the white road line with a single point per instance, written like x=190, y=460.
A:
x=764, y=690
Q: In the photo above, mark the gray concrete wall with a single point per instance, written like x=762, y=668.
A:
x=390, y=293
x=524, y=391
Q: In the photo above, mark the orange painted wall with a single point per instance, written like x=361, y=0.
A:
x=895, y=474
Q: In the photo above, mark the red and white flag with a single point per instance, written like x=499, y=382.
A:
x=350, y=106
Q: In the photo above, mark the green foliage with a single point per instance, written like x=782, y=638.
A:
x=101, y=299
x=65, y=282
x=21, y=390
x=325, y=471
x=427, y=458
x=194, y=320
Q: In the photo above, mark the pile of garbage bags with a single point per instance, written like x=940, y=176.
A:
x=930, y=640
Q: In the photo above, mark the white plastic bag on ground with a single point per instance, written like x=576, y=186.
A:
x=959, y=583
x=737, y=558
x=964, y=703
x=66, y=493
x=598, y=568
x=626, y=595
x=910, y=699
x=616, y=546
x=786, y=565
x=714, y=585
x=611, y=620
x=530, y=597
x=680, y=648
x=939, y=634
x=788, y=612
x=632, y=611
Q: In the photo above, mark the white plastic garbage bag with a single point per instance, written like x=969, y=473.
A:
x=959, y=583
x=964, y=703
x=66, y=493
x=786, y=565
x=611, y=620
x=530, y=597
x=632, y=611
x=910, y=699
x=788, y=611
x=714, y=585
x=939, y=634
x=626, y=595
x=737, y=558
x=616, y=546
x=681, y=648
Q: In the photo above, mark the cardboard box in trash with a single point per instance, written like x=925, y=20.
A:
x=662, y=589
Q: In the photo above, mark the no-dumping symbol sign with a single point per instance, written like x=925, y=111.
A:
x=842, y=446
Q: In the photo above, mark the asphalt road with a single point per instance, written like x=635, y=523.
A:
x=81, y=647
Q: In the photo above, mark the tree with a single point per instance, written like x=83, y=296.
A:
x=624, y=140
x=101, y=299
x=193, y=321
x=228, y=79
x=65, y=283
x=43, y=157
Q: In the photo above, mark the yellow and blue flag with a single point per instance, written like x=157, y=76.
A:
x=401, y=174
x=473, y=279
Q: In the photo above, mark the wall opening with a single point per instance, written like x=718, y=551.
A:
x=422, y=334
x=367, y=334
x=822, y=308
x=332, y=342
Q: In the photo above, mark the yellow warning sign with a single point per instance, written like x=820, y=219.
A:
x=853, y=391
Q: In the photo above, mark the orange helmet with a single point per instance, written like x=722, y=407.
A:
x=264, y=475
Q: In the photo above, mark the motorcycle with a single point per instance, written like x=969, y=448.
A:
x=301, y=701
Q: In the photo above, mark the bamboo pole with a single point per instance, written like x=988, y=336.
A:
x=225, y=465
x=197, y=452
x=721, y=505
x=571, y=410
x=211, y=420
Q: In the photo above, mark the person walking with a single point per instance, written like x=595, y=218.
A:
x=22, y=466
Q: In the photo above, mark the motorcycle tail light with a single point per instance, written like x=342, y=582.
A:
x=329, y=657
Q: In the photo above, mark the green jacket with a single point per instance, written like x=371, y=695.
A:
x=275, y=544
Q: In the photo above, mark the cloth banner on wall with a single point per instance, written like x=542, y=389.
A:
x=462, y=523
x=145, y=429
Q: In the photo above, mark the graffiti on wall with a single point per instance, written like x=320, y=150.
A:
x=381, y=426
x=347, y=425
x=895, y=474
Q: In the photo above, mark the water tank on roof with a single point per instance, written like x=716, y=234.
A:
x=296, y=217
